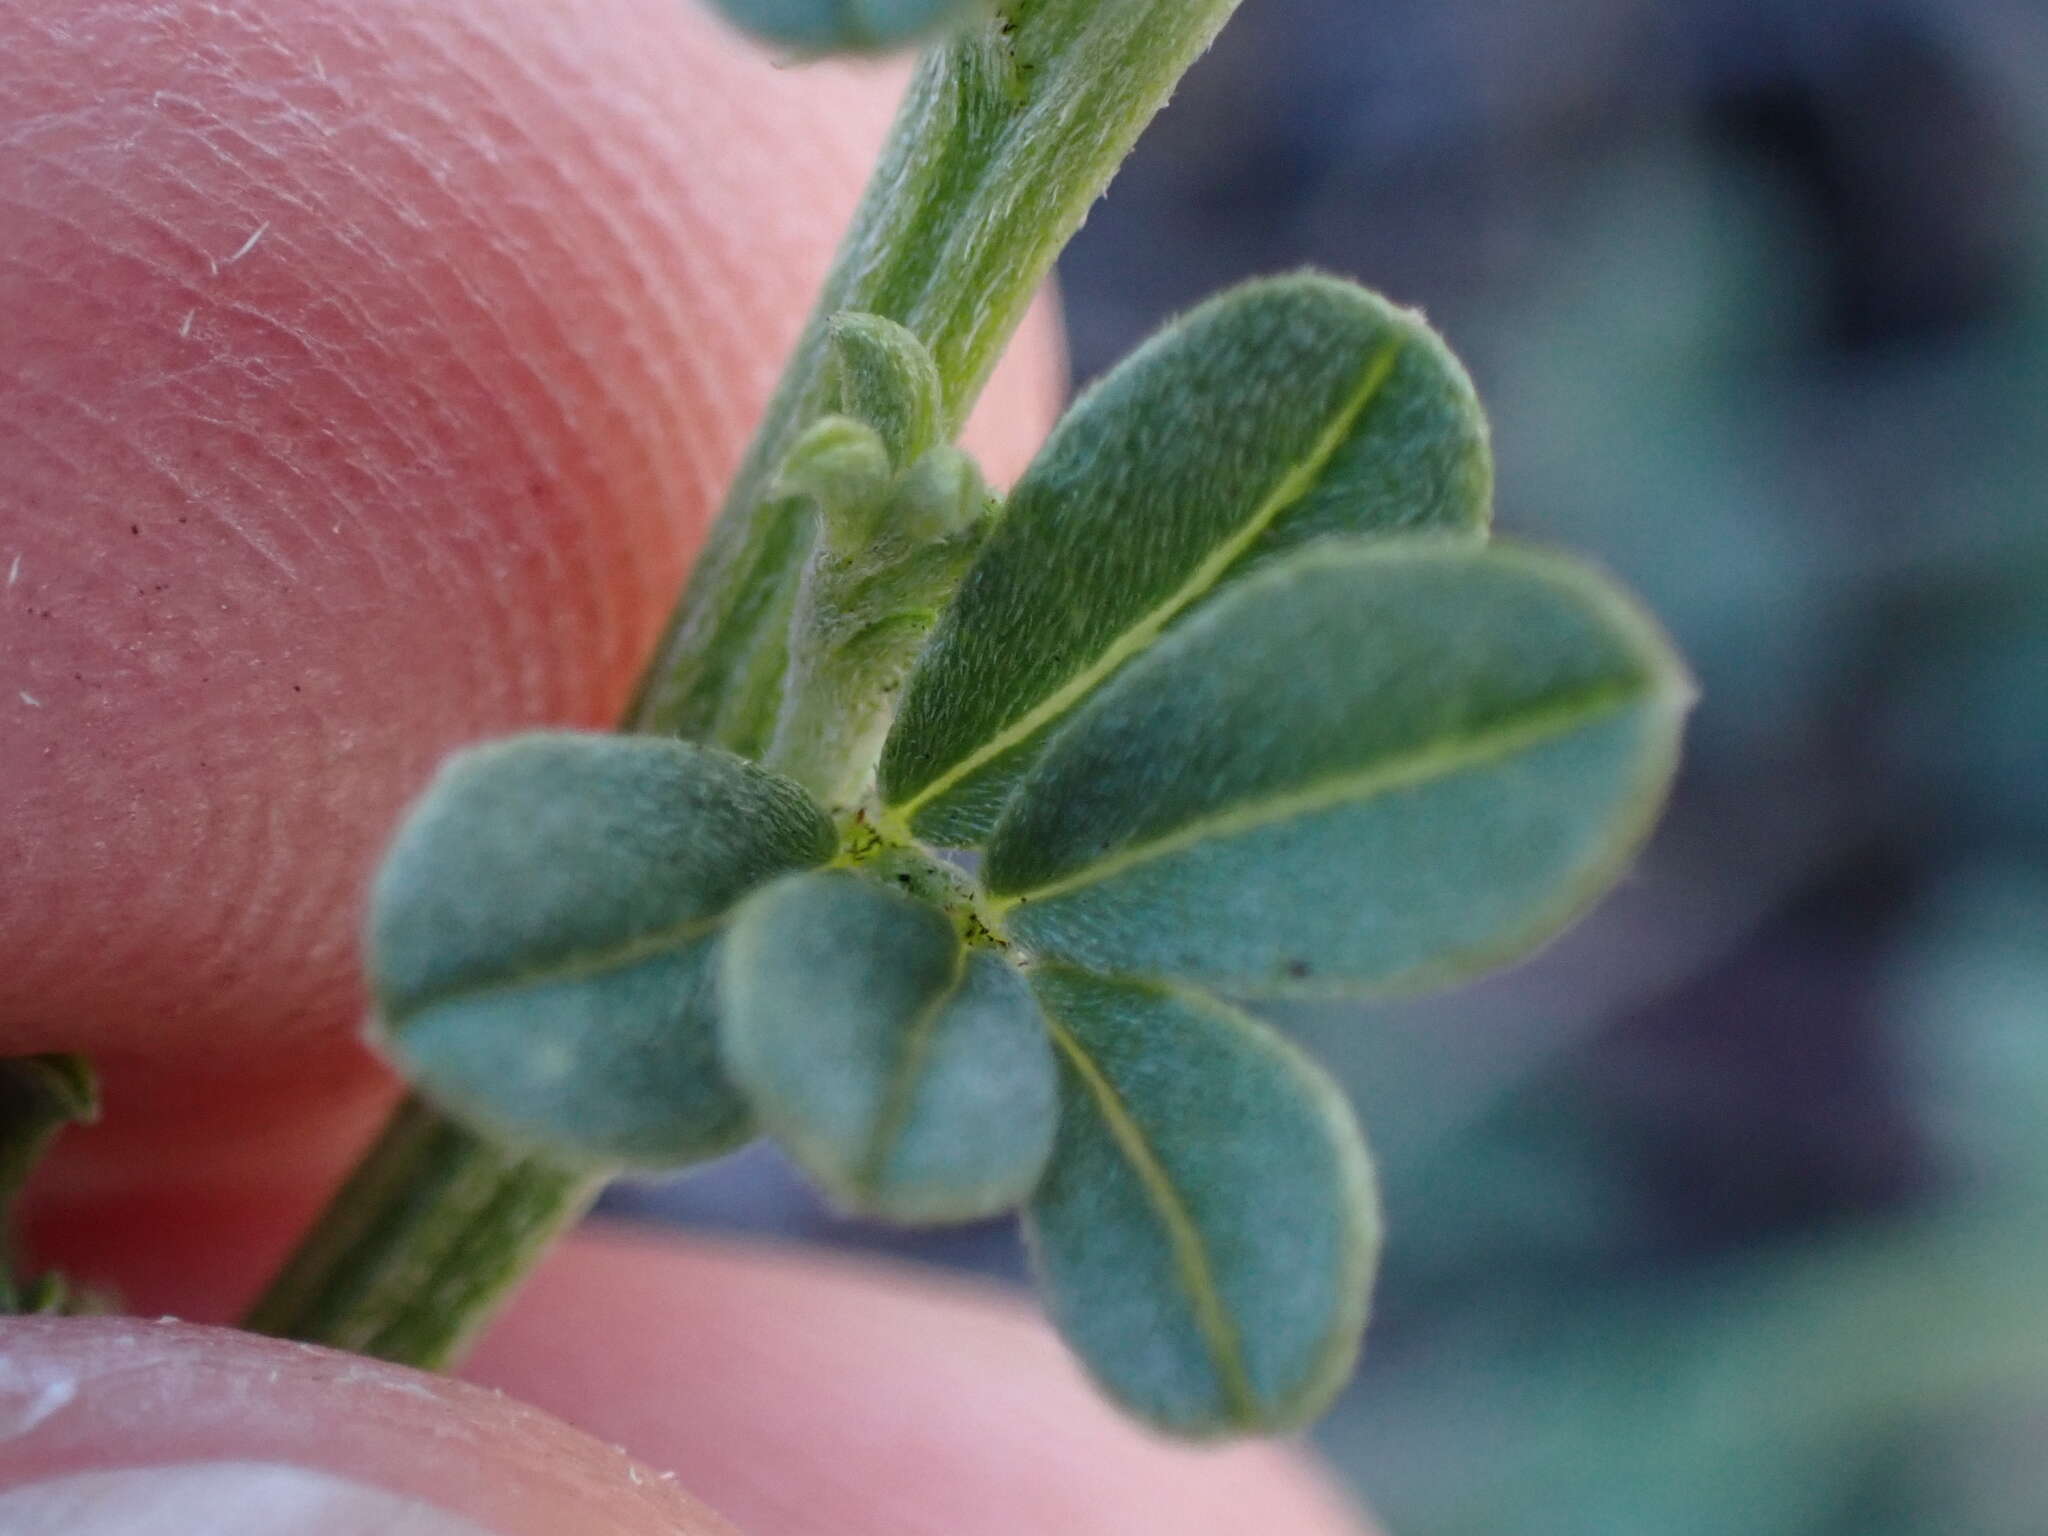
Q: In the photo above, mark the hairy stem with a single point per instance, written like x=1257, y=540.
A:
x=432, y=1229
x=1007, y=137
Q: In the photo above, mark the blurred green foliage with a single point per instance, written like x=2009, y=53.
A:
x=1850, y=543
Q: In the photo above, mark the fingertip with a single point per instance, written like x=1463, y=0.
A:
x=801, y=1393
x=116, y=1425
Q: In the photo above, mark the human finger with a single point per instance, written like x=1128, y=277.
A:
x=115, y=1426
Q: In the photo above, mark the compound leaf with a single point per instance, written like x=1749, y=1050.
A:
x=543, y=937
x=1286, y=410
x=1207, y=1229
x=1373, y=767
x=908, y=1073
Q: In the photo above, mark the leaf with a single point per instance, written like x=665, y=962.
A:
x=1207, y=1230
x=886, y=379
x=39, y=1096
x=543, y=937
x=843, y=466
x=846, y=26
x=1370, y=768
x=906, y=1072
x=1287, y=410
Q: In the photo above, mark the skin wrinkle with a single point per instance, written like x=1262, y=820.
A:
x=547, y=429
x=510, y=639
x=704, y=387
x=391, y=420
x=590, y=558
x=280, y=165
x=163, y=467
x=58, y=588
x=625, y=252
x=708, y=267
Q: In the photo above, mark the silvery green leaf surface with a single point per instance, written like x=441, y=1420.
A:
x=1287, y=410
x=543, y=938
x=846, y=26
x=908, y=1073
x=1373, y=767
x=887, y=379
x=843, y=466
x=1207, y=1230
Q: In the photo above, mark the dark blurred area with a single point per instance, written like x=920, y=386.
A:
x=1726, y=1216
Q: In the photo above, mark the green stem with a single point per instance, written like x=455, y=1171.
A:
x=1007, y=137
x=430, y=1232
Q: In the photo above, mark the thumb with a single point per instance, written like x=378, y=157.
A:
x=114, y=1426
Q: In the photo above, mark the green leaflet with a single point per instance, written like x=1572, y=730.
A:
x=886, y=378
x=1286, y=410
x=1207, y=1229
x=844, y=467
x=846, y=26
x=543, y=937
x=1371, y=767
x=908, y=1073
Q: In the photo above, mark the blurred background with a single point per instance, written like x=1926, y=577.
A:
x=1729, y=1215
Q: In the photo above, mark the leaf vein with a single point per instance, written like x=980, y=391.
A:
x=572, y=967
x=901, y=1095
x=1191, y=1256
x=1435, y=760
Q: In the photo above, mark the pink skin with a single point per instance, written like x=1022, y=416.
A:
x=82, y=1395
x=801, y=1394
x=921, y=1406
x=369, y=372
x=798, y=1396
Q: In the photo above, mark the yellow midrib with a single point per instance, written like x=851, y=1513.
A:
x=571, y=968
x=1294, y=485
x=1438, y=760
x=1191, y=1258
